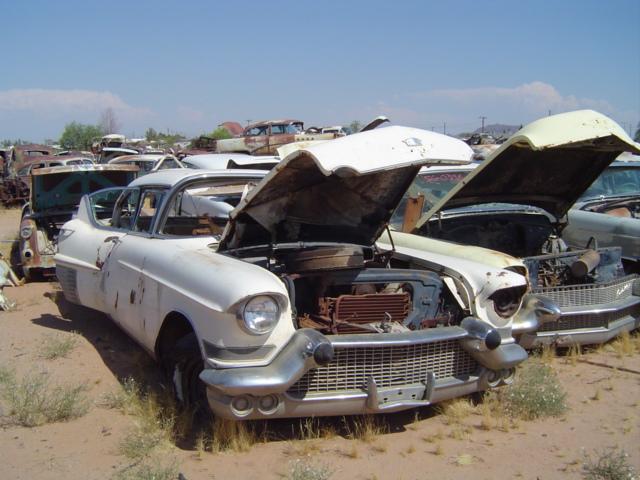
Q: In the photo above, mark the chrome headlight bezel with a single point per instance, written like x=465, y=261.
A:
x=259, y=315
x=26, y=231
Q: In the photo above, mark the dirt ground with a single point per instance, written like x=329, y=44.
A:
x=603, y=396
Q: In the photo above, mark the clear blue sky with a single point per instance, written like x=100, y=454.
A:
x=187, y=66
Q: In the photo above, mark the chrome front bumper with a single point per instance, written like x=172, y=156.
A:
x=591, y=335
x=590, y=314
x=368, y=373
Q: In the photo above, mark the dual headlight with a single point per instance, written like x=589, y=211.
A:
x=260, y=314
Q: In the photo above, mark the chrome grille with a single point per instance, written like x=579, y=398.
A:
x=592, y=294
x=390, y=366
x=590, y=320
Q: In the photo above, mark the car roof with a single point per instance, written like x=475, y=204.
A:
x=171, y=177
x=137, y=158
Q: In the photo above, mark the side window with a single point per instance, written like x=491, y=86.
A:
x=125, y=209
x=149, y=205
x=277, y=129
x=168, y=163
x=103, y=205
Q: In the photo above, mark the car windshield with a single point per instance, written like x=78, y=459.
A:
x=433, y=186
x=615, y=181
x=203, y=208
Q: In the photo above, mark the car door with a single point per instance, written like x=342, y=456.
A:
x=126, y=280
x=84, y=246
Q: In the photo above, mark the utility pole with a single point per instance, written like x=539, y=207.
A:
x=483, y=118
x=444, y=127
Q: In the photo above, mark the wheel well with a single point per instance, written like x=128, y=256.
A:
x=174, y=327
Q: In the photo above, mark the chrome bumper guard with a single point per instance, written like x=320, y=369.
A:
x=273, y=391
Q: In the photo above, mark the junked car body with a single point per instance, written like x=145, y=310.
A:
x=221, y=161
x=264, y=138
x=609, y=211
x=54, y=197
x=516, y=201
x=147, y=163
x=292, y=310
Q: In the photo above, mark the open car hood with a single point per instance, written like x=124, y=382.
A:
x=61, y=188
x=342, y=191
x=547, y=164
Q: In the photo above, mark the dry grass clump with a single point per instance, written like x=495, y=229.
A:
x=232, y=435
x=304, y=470
x=464, y=459
x=157, y=468
x=32, y=400
x=456, y=410
x=535, y=393
x=573, y=355
x=149, y=442
x=58, y=346
x=625, y=345
x=612, y=464
x=366, y=428
x=546, y=354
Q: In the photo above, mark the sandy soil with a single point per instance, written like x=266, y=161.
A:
x=603, y=395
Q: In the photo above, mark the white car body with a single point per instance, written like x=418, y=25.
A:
x=516, y=201
x=148, y=162
x=246, y=300
x=221, y=161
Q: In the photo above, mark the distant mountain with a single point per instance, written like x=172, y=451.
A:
x=499, y=130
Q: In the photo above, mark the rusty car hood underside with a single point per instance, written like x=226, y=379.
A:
x=547, y=164
x=340, y=191
x=61, y=188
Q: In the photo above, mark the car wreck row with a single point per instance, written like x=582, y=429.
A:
x=295, y=292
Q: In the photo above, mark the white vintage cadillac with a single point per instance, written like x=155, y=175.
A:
x=516, y=202
x=284, y=306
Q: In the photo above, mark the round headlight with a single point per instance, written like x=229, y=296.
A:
x=26, y=231
x=260, y=314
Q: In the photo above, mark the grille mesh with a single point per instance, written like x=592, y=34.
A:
x=592, y=294
x=390, y=366
x=591, y=320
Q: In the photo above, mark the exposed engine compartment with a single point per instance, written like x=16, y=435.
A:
x=535, y=239
x=517, y=234
x=349, y=289
x=575, y=267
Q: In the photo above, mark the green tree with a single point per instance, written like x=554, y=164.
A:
x=77, y=136
x=220, y=133
x=151, y=134
x=355, y=126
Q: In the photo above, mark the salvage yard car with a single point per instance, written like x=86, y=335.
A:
x=54, y=197
x=266, y=294
x=609, y=211
x=516, y=202
x=148, y=162
x=264, y=138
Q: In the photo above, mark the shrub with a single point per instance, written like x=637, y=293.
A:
x=608, y=465
x=33, y=401
x=535, y=393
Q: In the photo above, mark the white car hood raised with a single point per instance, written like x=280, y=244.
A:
x=343, y=190
x=547, y=164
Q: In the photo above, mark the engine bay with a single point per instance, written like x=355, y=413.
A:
x=350, y=289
